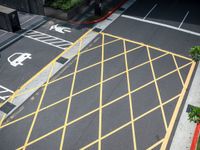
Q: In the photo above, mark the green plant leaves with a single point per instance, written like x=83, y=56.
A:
x=194, y=114
x=195, y=53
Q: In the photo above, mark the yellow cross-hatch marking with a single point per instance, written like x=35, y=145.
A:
x=69, y=98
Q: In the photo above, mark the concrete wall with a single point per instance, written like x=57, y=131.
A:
x=30, y=6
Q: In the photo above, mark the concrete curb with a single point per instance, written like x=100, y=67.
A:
x=41, y=78
x=184, y=132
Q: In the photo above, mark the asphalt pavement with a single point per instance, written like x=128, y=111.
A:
x=123, y=90
x=42, y=42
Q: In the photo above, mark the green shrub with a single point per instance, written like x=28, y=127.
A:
x=194, y=114
x=64, y=4
x=195, y=53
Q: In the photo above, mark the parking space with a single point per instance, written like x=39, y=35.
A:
x=180, y=14
x=117, y=93
x=41, y=44
x=124, y=89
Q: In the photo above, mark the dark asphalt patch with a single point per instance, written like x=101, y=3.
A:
x=184, y=72
x=57, y=91
x=169, y=110
x=157, y=147
x=114, y=67
x=137, y=57
x=167, y=64
x=155, y=53
x=181, y=62
x=49, y=120
x=149, y=129
x=144, y=100
x=97, y=29
x=170, y=86
x=89, y=58
x=50, y=142
x=16, y=136
x=62, y=60
x=114, y=88
x=131, y=45
x=85, y=102
x=115, y=115
x=140, y=76
x=120, y=140
x=82, y=132
x=7, y=107
x=154, y=35
x=111, y=50
x=87, y=78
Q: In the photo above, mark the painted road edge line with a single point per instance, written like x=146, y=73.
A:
x=161, y=24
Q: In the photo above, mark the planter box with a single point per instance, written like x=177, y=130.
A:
x=30, y=6
x=195, y=138
x=73, y=12
x=9, y=20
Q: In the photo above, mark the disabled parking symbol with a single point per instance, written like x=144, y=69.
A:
x=60, y=29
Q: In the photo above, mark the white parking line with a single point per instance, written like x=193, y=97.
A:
x=3, y=34
x=150, y=11
x=5, y=93
x=48, y=39
x=183, y=20
x=28, y=20
x=161, y=24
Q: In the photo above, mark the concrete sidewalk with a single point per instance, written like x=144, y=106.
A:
x=185, y=129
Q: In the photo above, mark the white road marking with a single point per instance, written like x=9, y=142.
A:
x=5, y=93
x=150, y=11
x=11, y=41
x=183, y=19
x=60, y=29
x=18, y=61
x=161, y=24
x=48, y=39
x=28, y=20
x=3, y=34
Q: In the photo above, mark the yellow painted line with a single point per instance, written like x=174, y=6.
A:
x=39, y=72
x=177, y=55
x=140, y=88
x=128, y=123
x=89, y=113
x=101, y=94
x=159, y=106
x=80, y=70
x=59, y=128
x=173, y=71
x=139, y=43
x=178, y=105
x=130, y=98
x=107, y=135
x=180, y=76
x=106, y=43
x=154, y=145
x=37, y=110
x=59, y=101
x=157, y=88
x=70, y=98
